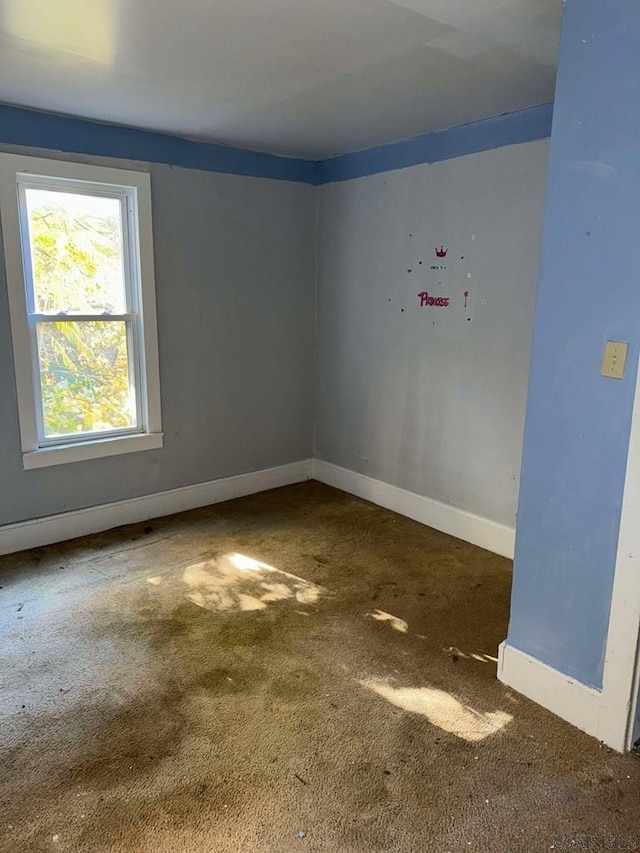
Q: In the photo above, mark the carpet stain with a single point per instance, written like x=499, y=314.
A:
x=294, y=670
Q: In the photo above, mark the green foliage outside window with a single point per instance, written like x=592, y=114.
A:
x=76, y=253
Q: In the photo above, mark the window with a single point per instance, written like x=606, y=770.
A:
x=79, y=261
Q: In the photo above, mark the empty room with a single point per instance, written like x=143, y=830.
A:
x=319, y=426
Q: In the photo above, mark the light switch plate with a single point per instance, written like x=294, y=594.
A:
x=615, y=358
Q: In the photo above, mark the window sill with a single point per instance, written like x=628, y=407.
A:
x=46, y=456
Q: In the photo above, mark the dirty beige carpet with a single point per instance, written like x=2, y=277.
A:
x=295, y=671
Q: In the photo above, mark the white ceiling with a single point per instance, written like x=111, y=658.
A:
x=309, y=78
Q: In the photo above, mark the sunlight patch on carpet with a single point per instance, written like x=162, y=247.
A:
x=441, y=709
x=236, y=582
x=452, y=650
x=394, y=621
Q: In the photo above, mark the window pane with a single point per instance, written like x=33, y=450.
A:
x=84, y=377
x=76, y=252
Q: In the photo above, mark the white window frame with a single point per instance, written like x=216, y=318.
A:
x=133, y=189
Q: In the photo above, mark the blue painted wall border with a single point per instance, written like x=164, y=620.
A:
x=509, y=129
x=20, y=126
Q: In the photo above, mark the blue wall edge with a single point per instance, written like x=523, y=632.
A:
x=508, y=129
x=20, y=126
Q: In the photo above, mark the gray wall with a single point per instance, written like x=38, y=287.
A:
x=235, y=270
x=431, y=399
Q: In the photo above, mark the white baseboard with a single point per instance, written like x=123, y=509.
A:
x=69, y=525
x=448, y=519
x=576, y=703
